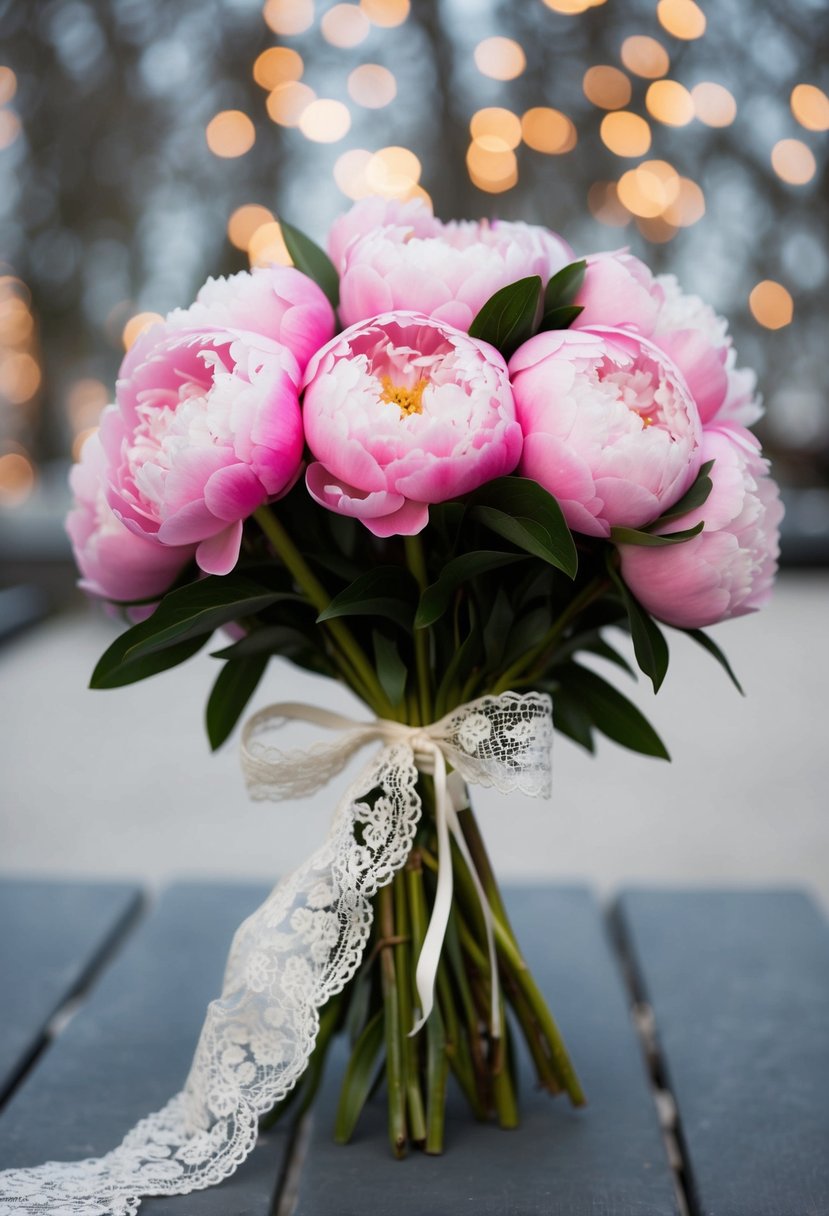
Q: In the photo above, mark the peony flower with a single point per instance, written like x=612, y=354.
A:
x=114, y=563
x=610, y=428
x=728, y=569
x=275, y=301
x=207, y=428
x=447, y=271
x=400, y=220
x=404, y=411
x=620, y=291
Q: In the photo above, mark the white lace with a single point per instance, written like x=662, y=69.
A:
x=298, y=949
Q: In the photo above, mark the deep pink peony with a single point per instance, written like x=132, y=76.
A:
x=207, y=428
x=609, y=426
x=406, y=259
x=619, y=290
x=404, y=411
x=114, y=563
x=727, y=570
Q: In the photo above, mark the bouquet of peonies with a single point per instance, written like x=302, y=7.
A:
x=438, y=465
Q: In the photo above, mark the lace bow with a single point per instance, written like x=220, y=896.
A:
x=305, y=942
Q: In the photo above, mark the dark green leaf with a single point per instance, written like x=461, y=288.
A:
x=570, y=718
x=114, y=671
x=436, y=599
x=497, y=629
x=311, y=260
x=696, y=494
x=526, y=632
x=611, y=712
x=464, y=659
x=649, y=643
x=508, y=318
x=560, y=318
x=518, y=509
x=632, y=536
x=564, y=286
x=391, y=670
x=271, y=639
x=359, y=1078
x=604, y=650
x=713, y=649
x=386, y=591
x=233, y=688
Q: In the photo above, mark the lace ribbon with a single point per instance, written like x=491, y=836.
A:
x=304, y=943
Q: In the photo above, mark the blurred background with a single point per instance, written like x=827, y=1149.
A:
x=145, y=145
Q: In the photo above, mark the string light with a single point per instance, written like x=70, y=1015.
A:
x=325, y=121
x=625, y=133
x=688, y=207
x=17, y=478
x=771, y=304
x=393, y=172
x=345, y=25
x=372, y=86
x=288, y=102
x=350, y=173
x=267, y=246
x=277, y=65
x=495, y=129
x=606, y=87
x=649, y=189
x=245, y=221
x=713, y=104
x=810, y=106
x=670, y=103
x=493, y=172
x=793, y=161
x=289, y=16
x=8, y=84
x=546, y=130
x=136, y=326
x=682, y=18
x=645, y=57
x=386, y=13
x=230, y=133
x=500, y=58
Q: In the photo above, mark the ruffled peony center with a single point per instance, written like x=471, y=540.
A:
x=408, y=400
x=644, y=391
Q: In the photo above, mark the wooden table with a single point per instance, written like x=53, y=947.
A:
x=713, y=1098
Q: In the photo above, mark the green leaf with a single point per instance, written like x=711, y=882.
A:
x=564, y=286
x=311, y=260
x=508, y=318
x=696, y=494
x=649, y=643
x=708, y=643
x=632, y=536
x=386, y=591
x=560, y=318
x=233, y=688
x=611, y=712
x=436, y=598
x=460, y=667
x=570, y=718
x=271, y=639
x=392, y=672
x=114, y=671
x=359, y=1078
x=541, y=528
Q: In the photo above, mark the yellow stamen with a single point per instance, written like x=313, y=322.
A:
x=408, y=400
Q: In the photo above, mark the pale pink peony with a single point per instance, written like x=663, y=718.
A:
x=447, y=271
x=401, y=219
x=275, y=301
x=609, y=426
x=404, y=411
x=207, y=428
x=619, y=290
x=114, y=563
x=728, y=570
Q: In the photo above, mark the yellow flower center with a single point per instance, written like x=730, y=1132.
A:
x=408, y=400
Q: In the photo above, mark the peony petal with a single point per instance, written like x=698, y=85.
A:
x=233, y=492
x=220, y=553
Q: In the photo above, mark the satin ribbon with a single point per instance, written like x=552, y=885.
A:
x=283, y=772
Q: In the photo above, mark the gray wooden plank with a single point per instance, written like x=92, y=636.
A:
x=605, y=1160
x=739, y=985
x=129, y=1048
x=53, y=937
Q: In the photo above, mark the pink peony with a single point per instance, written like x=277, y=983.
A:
x=275, y=301
x=729, y=568
x=619, y=290
x=114, y=562
x=207, y=428
x=404, y=411
x=447, y=271
x=398, y=219
x=609, y=426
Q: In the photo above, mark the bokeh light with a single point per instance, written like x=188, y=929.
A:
x=493, y=172
x=19, y=376
x=495, y=129
x=689, y=206
x=810, y=106
x=625, y=133
x=606, y=87
x=288, y=102
x=670, y=103
x=682, y=18
x=386, y=13
x=572, y=8
x=645, y=57
x=84, y=402
x=8, y=84
x=771, y=304
x=17, y=478
x=136, y=326
x=500, y=58
x=546, y=130
x=9, y=128
x=230, y=133
x=793, y=161
x=345, y=25
x=350, y=173
x=372, y=86
x=393, y=172
x=325, y=121
x=605, y=205
x=267, y=246
x=289, y=16
x=649, y=189
x=713, y=104
x=277, y=65
x=244, y=221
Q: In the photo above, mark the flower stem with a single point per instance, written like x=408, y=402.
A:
x=362, y=674
x=417, y=565
x=391, y=1013
x=405, y=971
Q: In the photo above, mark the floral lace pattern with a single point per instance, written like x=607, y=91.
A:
x=298, y=949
